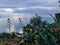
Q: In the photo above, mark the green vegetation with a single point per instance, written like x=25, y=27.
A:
x=37, y=32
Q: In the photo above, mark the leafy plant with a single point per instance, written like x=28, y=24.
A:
x=39, y=33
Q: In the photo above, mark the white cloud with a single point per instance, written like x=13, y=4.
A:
x=36, y=7
x=21, y=8
x=7, y=10
x=22, y=16
x=40, y=7
x=5, y=13
x=23, y=5
x=13, y=10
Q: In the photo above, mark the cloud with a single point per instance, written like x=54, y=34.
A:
x=26, y=3
x=2, y=25
x=13, y=10
x=37, y=7
x=19, y=15
x=40, y=7
x=6, y=10
x=43, y=10
x=25, y=9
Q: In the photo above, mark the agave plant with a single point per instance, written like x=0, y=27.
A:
x=57, y=21
x=45, y=37
x=36, y=33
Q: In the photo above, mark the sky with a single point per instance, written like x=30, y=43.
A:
x=25, y=9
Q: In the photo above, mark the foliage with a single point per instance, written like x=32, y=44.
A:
x=39, y=33
x=57, y=21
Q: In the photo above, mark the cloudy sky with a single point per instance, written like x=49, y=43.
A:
x=25, y=9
